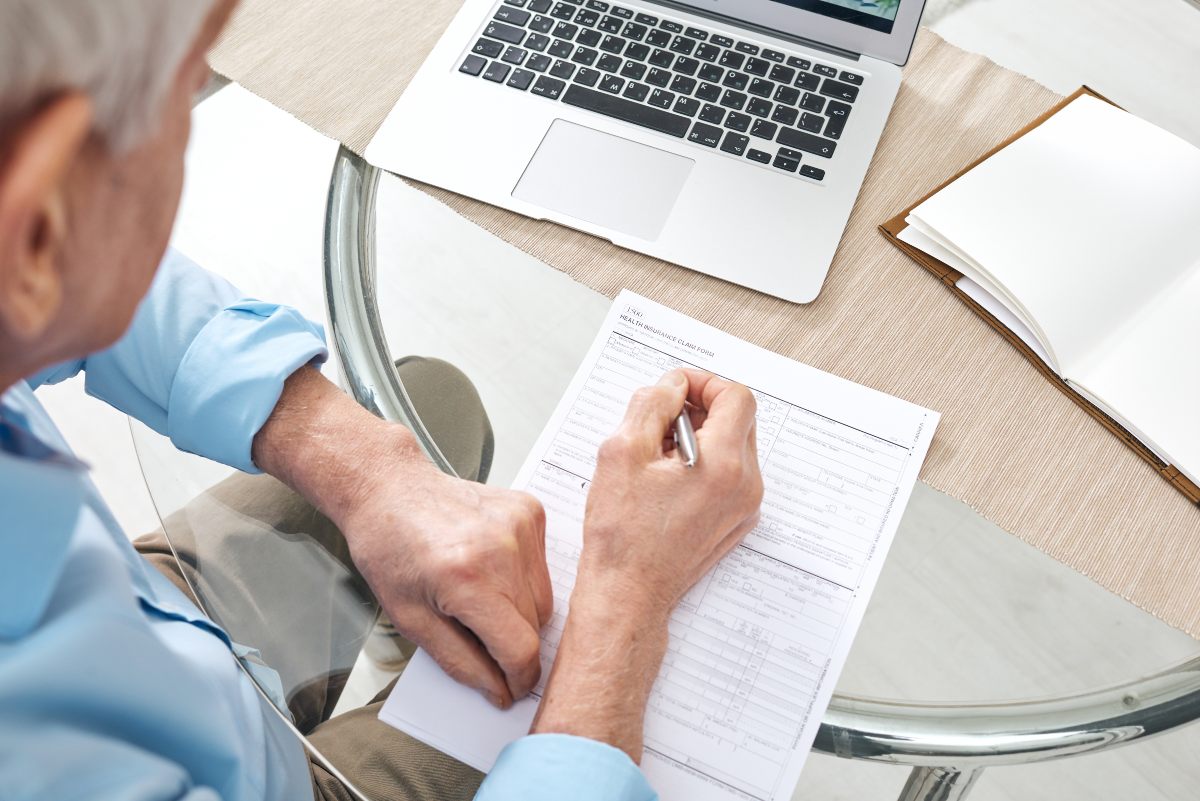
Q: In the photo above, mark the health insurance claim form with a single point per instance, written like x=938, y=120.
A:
x=756, y=647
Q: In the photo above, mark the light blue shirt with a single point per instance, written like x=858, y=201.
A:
x=112, y=683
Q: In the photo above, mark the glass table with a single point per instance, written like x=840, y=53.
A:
x=977, y=651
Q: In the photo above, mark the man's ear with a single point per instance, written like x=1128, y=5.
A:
x=35, y=161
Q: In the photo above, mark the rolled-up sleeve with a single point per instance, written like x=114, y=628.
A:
x=551, y=767
x=201, y=363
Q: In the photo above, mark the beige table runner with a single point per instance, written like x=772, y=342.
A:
x=1009, y=444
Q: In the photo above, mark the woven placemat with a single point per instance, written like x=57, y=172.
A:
x=1009, y=443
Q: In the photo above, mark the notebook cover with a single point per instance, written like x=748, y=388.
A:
x=949, y=276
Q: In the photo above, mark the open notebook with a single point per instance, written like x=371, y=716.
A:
x=1081, y=239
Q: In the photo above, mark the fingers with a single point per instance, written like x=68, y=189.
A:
x=729, y=409
x=533, y=552
x=458, y=652
x=651, y=412
x=508, y=637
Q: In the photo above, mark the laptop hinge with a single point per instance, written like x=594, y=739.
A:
x=750, y=26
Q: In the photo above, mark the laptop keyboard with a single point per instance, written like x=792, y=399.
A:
x=778, y=109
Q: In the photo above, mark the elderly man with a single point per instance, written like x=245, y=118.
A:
x=113, y=684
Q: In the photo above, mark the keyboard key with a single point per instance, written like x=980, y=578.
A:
x=808, y=82
x=707, y=52
x=721, y=41
x=515, y=55
x=539, y=62
x=811, y=122
x=636, y=91
x=612, y=84
x=588, y=37
x=683, y=85
x=517, y=3
x=761, y=87
x=710, y=113
x=759, y=107
x=850, y=77
x=809, y=171
x=696, y=33
x=735, y=143
x=759, y=156
x=737, y=122
x=813, y=103
x=746, y=47
x=562, y=11
x=806, y=142
x=732, y=60
x=827, y=71
x=787, y=95
x=548, y=87
x=609, y=63
x=764, y=130
x=563, y=69
x=497, y=72
x=782, y=74
x=785, y=163
x=539, y=6
x=585, y=56
x=586, y=18
x=612, y=44
x=834, y=129
x=707, y=135
x=566, y=31
x=686, y=66
x=537, y=43
x=708, y=91
x=575, y=2
x=520, y=79
x=735, y=80
x=799, y=63
x=772, y=55
x=661, y=98
x=488, y=48
x=839, y=90
x=658, y=77
x=597, y=5
x=684, y=45
x=785, y=115
x=634, y=70
x=634, y=31
x=658, y=38
x=473, y=65
x=673, y=27
x=623, y=13
x=560, y=49
x=514, y=16
x=587, y=76
x=610, y=25
x=711, y=73
x=627, y=111
x=734, y=100
x=542, y=24
x=662, y=58
x=637, y=51
x=646, y=19
x=757, y=66
x=837, y=109
x=687, y=105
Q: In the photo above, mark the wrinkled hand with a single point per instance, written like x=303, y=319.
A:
x=460, y=568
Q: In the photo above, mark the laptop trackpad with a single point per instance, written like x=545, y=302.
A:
x=604, y=179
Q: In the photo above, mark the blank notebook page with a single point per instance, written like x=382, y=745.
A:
x=1084, y=220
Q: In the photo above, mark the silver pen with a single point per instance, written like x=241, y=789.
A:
x=685, y=439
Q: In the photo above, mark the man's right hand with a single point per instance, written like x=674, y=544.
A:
x=652, y=529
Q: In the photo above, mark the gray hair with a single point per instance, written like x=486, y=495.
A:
x=123, y=54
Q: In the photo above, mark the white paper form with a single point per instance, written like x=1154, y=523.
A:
x=756, y=647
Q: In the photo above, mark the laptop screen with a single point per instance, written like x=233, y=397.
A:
x=877, y=15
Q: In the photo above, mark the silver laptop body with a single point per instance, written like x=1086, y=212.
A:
x=730, y=137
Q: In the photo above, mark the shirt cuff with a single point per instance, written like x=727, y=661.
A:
x=551, y=767
x=232, y=375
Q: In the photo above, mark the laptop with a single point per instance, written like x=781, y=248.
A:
x=726, y=136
